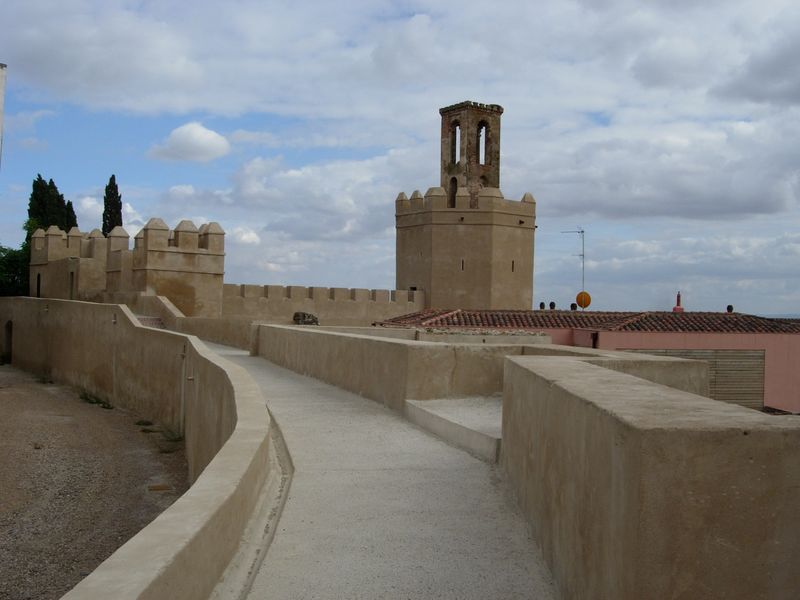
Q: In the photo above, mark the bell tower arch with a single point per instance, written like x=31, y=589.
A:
x=470, y=148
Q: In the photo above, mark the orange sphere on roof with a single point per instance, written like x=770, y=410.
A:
x=583, y=299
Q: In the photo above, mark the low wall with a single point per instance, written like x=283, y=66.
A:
x=387, y=370
x=391, y=370
x=636, y=490
x=333, y=306
x=173, y=379
x=231, y=331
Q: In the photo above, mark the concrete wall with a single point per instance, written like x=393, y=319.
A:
x=391, y=370
x=333, y=306
x=173, y=379
x=638, y=490
x=781, y=375
x=387, y=370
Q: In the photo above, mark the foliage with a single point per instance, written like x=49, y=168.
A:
x=14, y=271
x=112, y=206
x=71, y=220
x=47, y=207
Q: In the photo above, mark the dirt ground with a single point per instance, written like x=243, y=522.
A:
x=76, y=482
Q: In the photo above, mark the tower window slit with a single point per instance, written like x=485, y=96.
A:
x=512, y=266
x=462, y=264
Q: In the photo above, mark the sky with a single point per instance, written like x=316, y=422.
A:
x=667, y=130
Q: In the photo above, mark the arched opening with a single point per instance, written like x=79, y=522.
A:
x=451, y=193
x=483, y=133
x=38, y=285
x=6, y=355
x=455, y=142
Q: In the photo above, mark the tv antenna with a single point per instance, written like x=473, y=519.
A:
x=580, y=231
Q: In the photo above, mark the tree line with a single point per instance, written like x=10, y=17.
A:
x=47, y=207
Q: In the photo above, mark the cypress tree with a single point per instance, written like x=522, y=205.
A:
x=71, y=219
x=112, y=206
x=56, y=207
x=47, y=207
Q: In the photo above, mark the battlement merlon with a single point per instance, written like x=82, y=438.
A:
x=489, y=199
x=281, y=293
x=186, y=238
x=469, y=104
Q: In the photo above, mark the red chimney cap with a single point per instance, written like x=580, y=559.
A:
x=677, y=307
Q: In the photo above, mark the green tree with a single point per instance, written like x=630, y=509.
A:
x=71, y=220
x=112, y=206
x=47, y=207
x=14, y=271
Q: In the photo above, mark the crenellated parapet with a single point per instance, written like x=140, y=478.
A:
x=67, y=264
x=55, y=244
x=185, y=264
x=333, y=305
x=490, y=203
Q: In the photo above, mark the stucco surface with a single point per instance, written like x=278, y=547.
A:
x=637, y=490
x=174, y=379
x=384, y=369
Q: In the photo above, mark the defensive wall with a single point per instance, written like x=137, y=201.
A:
x=636, y=484
x=333, y=306
x=172, y=379
x=185, y=264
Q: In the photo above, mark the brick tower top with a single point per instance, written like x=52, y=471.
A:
x=470, y=149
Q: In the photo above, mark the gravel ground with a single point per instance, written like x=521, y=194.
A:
x=76, y=482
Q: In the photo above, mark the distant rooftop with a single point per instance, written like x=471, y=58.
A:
x=700, y=322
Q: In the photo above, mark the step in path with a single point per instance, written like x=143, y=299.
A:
x=379, y=508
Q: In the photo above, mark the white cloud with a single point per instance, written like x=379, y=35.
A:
x=191, y=142
x=89, y=210
x=245, y=235
x=651, y=124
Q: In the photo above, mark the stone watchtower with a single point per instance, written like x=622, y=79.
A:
x=463, y=243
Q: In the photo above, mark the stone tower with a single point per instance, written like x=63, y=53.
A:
x=462, y=243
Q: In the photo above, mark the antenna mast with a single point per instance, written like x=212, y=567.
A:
x=580, y=231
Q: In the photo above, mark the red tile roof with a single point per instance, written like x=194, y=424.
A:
x=705, y=322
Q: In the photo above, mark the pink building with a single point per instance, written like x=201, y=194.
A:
x=753, y=360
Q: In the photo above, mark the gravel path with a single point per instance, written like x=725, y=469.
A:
x=76, y=482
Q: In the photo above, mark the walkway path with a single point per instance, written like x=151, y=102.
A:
x=378, y=508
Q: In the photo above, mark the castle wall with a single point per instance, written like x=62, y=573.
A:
x=639, y=491
x=185, y=265
x=333, y=306
x=173, y=379
x=67, y=265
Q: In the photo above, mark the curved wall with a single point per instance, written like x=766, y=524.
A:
x=173, y=379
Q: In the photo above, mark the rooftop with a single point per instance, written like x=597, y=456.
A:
x=699, y=322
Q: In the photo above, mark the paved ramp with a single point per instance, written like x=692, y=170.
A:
x=378, y=508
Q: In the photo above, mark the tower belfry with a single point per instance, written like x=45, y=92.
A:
x=470, y=149
x=462, y=243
